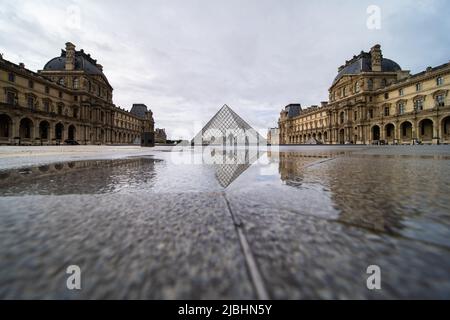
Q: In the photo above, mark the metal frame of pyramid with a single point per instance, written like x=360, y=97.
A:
x=227, y=128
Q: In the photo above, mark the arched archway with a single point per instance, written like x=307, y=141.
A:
x=390, y=133
x=44, y=130
x=72, y=132
x=319, y=136
x=426, y=130
x=325, y=136
x=26, y=129
x=446, y=129
x=5, y=127
x=406, y=131
x=59, y=131
x=375, y=133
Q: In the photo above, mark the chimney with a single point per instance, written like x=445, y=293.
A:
x=70, y=56
x=22, y=65
x=376, y=57
x=100, y=67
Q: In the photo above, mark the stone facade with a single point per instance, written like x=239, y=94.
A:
x=373, y=101
x=273, y=136
x=70, y=99
x=160, y=135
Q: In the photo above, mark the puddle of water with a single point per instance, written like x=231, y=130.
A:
x=396, y=192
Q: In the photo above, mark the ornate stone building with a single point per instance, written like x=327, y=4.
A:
x=160, y=135
x=70, y=99
x=372, y=100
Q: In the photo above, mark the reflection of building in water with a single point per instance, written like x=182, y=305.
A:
x=292, y=165
x=367, y=204
x=227, y=128
x=82, y=177
x=230, y=164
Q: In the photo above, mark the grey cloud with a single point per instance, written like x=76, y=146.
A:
x=187, y=58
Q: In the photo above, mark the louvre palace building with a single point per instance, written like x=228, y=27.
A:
x=69, y=100
x=373, y=100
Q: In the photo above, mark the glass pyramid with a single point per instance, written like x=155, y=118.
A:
x=227, y=128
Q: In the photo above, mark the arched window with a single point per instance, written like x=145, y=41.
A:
x=357, y=87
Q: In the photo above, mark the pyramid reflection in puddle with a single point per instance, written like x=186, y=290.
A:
x=223, y=134
x=230, y=164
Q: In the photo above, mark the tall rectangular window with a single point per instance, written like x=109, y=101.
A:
x=30, y=103
x=30, y=84
x=10, y=98
x=386, y=111
x=439, y=81
x=440, y=100
x=46, y=106
x=418, y=105
x=401, y=92
x=418, y=86
x=11, y=77
x=401, y=108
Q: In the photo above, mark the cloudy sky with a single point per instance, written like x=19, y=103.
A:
x=186, y=58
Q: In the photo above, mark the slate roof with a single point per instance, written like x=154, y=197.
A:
x=83, y=62
x=363, y=63
x=139, y=110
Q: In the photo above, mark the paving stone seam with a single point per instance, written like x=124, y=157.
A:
x=252, y=267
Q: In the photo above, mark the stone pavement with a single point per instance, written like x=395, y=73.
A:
x=300, y=223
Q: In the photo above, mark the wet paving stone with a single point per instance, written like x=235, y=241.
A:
x=160, y=246
x=158, y=224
